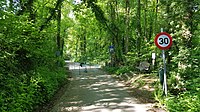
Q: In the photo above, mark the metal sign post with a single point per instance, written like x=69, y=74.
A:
x=163, y=41
x=165, y=70
x=165, y=77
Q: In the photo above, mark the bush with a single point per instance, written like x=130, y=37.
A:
x=29, y=75
x=122, y=70
x=186, y=102
x=110, y=70
x=118, y=70
x=21, y=95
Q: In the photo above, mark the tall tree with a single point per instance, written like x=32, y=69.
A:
x=60, y=41
x=127, y=25
x=138, y=29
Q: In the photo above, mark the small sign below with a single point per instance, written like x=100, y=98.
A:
x=153, y=56
x=111, y=49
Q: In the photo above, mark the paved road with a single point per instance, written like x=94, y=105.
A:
x=96, y=91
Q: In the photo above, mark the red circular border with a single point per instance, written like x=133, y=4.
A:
x=160, y=47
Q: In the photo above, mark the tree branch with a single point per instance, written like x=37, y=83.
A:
x=99, y=14
x=51, y=16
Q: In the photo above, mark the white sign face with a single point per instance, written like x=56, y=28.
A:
x=163, y=40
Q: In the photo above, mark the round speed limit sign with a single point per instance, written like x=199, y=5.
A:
x=163, y=41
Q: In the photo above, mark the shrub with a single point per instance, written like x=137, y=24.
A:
x=186, y=102
x=19, y=94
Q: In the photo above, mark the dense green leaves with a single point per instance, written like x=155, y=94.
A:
x=29, y=72
x=33, y=31
x=131, y=27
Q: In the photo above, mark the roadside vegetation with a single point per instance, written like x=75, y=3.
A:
x=36, y=36
x=30, y=72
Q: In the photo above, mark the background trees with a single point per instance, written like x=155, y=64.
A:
x=30, y=72
x=131, y=26
x=36, y=35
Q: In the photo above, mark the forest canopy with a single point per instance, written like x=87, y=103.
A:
x=37, y=35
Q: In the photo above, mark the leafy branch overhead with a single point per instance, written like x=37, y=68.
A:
x=52, y=13
x=37, y=35
x=99, y=14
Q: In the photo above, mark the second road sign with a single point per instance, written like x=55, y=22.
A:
x=163, y=41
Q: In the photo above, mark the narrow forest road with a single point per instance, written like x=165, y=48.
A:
x=96, y=91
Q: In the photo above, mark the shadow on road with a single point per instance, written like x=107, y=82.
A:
x=96, y=91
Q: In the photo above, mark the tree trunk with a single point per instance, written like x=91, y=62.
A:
x=127, y=26
x=58, y=28
x=156, y=18
x=116, y=40
x=139, y=30
x=85, y=46
x=145, y=21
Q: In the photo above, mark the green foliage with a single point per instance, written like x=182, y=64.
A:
x=111, y=70
x=139, y=83
x=23, y=94
x=122, y=70
x=186, y=102
x=29, y=75
x=118, y=70
x=29, y=72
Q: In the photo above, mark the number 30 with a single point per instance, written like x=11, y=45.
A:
x=163, y=41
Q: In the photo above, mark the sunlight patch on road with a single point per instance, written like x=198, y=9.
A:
x=76, y=66
x=96, y=91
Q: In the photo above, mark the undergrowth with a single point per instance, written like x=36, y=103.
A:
x=23, y=93
x=183, y=95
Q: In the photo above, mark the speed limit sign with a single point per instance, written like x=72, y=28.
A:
x=163, y=41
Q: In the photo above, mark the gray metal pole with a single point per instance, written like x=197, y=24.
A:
x=165, y=77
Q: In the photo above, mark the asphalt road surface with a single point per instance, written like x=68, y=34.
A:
x=93, y=90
